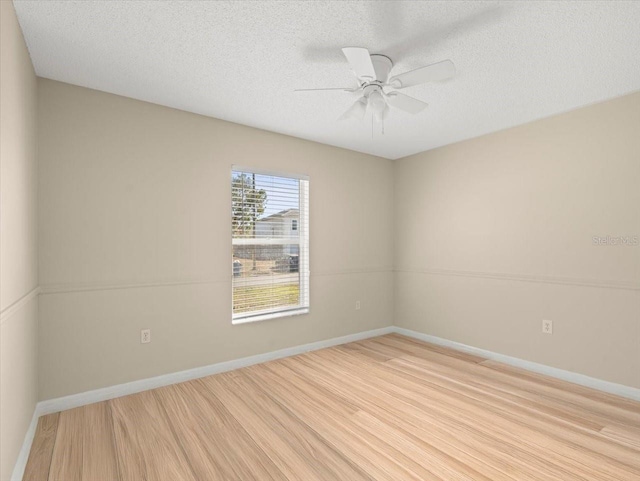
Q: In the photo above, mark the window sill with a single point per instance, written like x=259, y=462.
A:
x=271, y=315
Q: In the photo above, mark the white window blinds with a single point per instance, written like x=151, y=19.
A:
x=270, y=237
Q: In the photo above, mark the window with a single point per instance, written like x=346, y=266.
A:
x=270, y=240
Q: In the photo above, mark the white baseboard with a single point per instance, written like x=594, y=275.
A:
x=76, y=400
x=111, y=392
x=104, y=394
x=581, y=379
x=23, y=455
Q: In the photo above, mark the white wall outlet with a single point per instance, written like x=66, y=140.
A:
x=357, y=305
x=547, y=326
x=145, y=336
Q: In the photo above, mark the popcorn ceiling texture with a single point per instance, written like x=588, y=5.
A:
x=240, y=61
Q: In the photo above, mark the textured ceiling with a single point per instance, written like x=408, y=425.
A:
x=240, y=61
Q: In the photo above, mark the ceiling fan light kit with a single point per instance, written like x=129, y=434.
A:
x=356, y=111
x=379, y=90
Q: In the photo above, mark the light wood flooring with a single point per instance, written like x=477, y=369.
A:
x=388, y=408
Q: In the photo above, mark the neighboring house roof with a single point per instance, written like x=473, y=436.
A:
x=282, y=213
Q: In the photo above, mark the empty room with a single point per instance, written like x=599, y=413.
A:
x=319, y=240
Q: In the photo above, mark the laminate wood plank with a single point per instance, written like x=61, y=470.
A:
x=447, y=351
x=405, y=345
x=623, y=434
x=570, y=437
x=365, y=352
x=384, y=409
x=562, y=454
x=216, y=445
x=326, y=400
x=374, y=457
x=382, y=454
x=569, y=396
x=472, y=377
x=98, y=451
x=373, y=400
x=295, y=448
x=392, y=352
x=546, y=393
x=410, y=420
x=483, y=391
x=583, y=392
x=551, y=390
x=39, y=461
x=517, y=398
x=398, y=347
x=385, y=345
x=146, y=447
x=448, y=467
x=571, y=443
x=66, y=461
x=570, y=403
x=507, y=457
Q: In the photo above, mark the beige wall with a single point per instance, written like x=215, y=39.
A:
x=135, y=233
x=492, y=236
x=495, y=234
x=18, y=240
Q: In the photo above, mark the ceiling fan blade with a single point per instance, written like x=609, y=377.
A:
x=431, y=73
x=344, y=89
x=406, y=103
x=356, y=111
x=360, y=62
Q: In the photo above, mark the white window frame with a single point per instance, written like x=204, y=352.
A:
x=303, y=251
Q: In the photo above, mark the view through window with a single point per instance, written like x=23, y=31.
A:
x=270, y=240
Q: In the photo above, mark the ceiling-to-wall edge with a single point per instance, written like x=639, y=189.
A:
x=525, y=124
x=337, y=146
x=284, y=134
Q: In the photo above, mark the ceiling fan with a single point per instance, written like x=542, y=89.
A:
x=379, y=90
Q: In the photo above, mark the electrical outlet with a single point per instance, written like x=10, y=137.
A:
x=547, y=326
x=357, y=305
x=145, y=336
